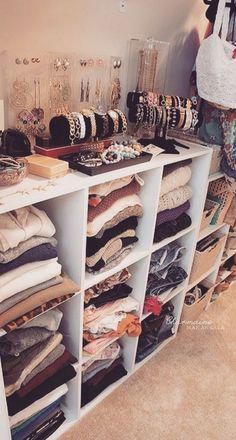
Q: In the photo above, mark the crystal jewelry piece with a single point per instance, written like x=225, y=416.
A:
x=37, y=60
x=118, y=63
x=25, y=61
x=33, y=60
x=18, y=60
x=115, y=64
x=100, y=62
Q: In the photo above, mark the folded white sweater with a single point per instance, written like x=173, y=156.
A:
x=94, y=226
x=174, y=180
x=26, y=276
x=21, y=224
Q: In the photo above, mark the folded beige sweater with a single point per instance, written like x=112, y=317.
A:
x=21, y=224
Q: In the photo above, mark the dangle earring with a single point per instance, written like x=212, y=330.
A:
x=87, y=91
x=82, y=91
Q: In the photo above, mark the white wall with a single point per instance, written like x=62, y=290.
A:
x=97, y=27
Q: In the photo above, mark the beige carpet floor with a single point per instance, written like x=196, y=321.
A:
x=186, y=392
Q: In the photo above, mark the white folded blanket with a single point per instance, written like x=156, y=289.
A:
x=26, y=276
x=21, y=224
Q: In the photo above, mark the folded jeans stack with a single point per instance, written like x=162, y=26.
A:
x=164, y=275
x=174, y=201
x=155, y=330
x=113, y=212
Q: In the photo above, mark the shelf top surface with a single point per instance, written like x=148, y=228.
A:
x=36, y=189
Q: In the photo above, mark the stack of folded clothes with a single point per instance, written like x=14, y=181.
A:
x=155, y=330
x=36, y=367
x=174, y=201
x=102, y=371
x=164, y=275
x=113, y=212
x=108, y=313
x=31, y=280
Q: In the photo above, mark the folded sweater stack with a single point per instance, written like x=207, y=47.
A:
x=31, y=286
x=105, y=369
x=109, y=312
x=31, y=280
x=114, y=208
x=174, y=201
x=35, y=363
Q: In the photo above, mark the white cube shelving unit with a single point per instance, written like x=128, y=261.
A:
x=66, y=200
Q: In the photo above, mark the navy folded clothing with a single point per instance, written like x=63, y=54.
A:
x=42, y=252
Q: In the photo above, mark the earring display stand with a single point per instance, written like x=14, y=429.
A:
x=65, y=200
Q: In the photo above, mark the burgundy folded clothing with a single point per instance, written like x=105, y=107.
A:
x=171, y=214
x=42, y=252
x=65, y=359
x=94, y=244
x=132, y=188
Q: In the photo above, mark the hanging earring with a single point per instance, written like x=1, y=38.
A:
x=65, y=64
x=57, y=64
x=87, y=91
x=25, y=61
x=82, y=91
x=18, y=61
